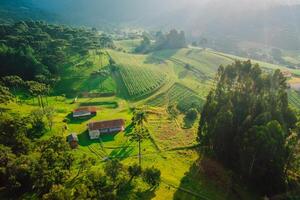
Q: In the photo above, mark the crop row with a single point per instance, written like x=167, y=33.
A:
x=140, y=81
x=177, y=94
x=294, y=99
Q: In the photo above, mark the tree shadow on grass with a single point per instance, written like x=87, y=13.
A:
x=84, y=138
x=206, y=179
x=108, y=137
x=146, y=195
x=123, y=152
x=187, y=188
x=187, y=123
x=126, y=192
x=106, y=104
x=122, y=91
x=128, y=129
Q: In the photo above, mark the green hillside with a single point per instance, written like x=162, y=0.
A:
x=120, y=83
x=139, y=81
x=80, y=75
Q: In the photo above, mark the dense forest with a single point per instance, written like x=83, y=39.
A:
x=35, y=49
x=185, y=121
x=45, y=168
x=171, y=40
x=248, y=125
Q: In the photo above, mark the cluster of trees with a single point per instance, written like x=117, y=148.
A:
x=5, y=95
x=115, y=182
x=171, y=40
x=204, y=43
x=247, y=125
x=28, y=164
x=17, y=131
x=14, y=84
x=47, y=168
x=46, y=163
x=34, y=48
x=190, y=117
x=145, y=45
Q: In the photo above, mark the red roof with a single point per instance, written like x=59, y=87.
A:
x=86, y=109
x=106, y=124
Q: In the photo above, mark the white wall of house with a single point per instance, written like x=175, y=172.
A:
x=115, y=129
x=104, y=130
x=81, y=114
x=95, y=134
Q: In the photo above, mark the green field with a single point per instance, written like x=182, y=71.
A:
x=178, y=93
x=76, y=75
x=140, y=81
x=180, y=77
x=169, y=149
x=294, y=98
x=149, y=77
x=127, y=45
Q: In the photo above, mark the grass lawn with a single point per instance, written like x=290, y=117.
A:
x=159, y=150
x=171, y=146
x=128, y=45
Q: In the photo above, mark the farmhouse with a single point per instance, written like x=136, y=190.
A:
x=109, y=126
x=72, y=139
x=286, y=73
x=85, y=111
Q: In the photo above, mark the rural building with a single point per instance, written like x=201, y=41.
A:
x=109, y=126
x=85, y=111
x=286, y=73
x=72, y=139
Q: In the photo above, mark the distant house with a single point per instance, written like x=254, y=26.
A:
x=286, y=73
x=72, y=139
x=109, y=126
x=85, y=111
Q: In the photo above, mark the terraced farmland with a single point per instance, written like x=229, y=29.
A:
x=294, y=98
x=140, y=81
x=168, y=134
x=177, y=94
x=204, y=64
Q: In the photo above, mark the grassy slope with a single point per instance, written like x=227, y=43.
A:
x=180, y=179
x=76, y=75
x=127, y=45
x=174, y=164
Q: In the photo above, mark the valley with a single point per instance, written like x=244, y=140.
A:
x=140, y=100
x=152, y=82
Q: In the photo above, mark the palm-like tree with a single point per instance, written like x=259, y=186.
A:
x=139, y=134
x=140, y=118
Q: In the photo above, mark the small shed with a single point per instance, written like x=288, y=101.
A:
x=84, y=111
x=72, y=139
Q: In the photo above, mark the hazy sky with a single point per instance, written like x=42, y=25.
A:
x=154, y=6
x=259, y=20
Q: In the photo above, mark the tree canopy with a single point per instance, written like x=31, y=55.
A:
x=171, y=40
x=34, y=48
x=246, y=123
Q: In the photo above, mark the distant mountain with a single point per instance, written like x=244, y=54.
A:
x=15, y=10
x=277, y=25
x=227, y=22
